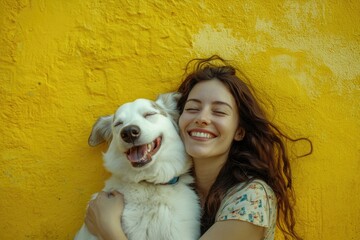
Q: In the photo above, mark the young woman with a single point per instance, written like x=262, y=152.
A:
x=241, y=166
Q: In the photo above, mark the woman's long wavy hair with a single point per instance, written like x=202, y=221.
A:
x=262, y=153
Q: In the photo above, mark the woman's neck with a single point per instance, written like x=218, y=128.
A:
x=206, y=172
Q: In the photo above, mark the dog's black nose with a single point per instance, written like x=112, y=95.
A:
x=130, y=133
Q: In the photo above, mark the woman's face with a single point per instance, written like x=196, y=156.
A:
x=210, y=120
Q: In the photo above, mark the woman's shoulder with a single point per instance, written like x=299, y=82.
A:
x=252, y=201
x=256, y=188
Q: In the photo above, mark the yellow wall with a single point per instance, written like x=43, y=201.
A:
x=64, y=63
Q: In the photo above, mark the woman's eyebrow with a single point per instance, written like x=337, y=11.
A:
x=215, y=102
x=222, y=103
x=193, y=100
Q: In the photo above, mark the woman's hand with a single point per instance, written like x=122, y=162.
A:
x=103, y=215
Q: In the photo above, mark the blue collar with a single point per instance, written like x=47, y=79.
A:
x=172, y=181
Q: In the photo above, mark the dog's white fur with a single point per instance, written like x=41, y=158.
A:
x=153, y=211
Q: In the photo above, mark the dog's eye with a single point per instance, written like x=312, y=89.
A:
x=118, y=124
x=149, y=114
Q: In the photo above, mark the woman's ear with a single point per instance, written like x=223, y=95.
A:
x=240, y=133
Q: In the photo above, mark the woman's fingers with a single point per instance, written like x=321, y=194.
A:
x=104, y=211
x=90, y=218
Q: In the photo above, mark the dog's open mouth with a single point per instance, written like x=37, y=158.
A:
x=141, y=155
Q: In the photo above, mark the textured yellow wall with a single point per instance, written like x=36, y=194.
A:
x=64, y=63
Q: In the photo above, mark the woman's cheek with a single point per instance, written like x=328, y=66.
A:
x=181, y=122
x=182, y=126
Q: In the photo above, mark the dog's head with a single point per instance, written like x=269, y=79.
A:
x=144, y=140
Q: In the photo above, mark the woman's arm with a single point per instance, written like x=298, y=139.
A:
x=103, y=216
x=103, y=219
x=234, y=229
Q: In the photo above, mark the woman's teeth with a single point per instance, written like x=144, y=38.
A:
x=200, y=134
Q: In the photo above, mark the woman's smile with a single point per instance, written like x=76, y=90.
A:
x=199, y=134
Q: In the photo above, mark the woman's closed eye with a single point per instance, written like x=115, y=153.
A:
x=192, y=109
x=220, y=112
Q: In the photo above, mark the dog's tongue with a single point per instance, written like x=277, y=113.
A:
x=138, y=154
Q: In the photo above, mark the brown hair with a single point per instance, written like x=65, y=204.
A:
x=262, y=153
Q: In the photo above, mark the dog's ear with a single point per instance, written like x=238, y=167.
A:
x=168, y=100
x=101, y=131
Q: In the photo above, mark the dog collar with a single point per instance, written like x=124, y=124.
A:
x=172, y=181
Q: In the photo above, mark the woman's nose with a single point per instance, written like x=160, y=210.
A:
x=202, y=119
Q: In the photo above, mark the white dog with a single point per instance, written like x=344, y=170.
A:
x=150, y=167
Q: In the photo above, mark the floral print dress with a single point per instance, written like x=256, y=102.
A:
x=253, y=202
